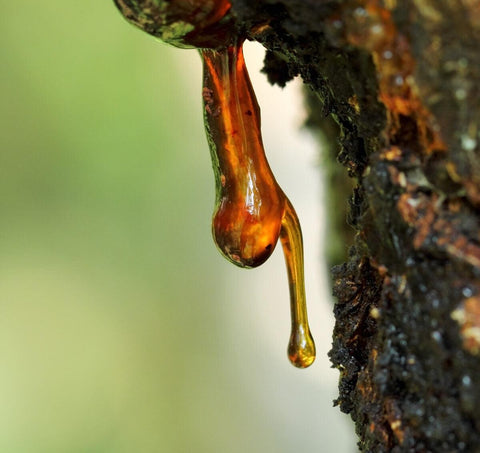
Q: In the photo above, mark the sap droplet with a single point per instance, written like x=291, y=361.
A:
x=251, y=211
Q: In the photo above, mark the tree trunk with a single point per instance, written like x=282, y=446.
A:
x=401, y=81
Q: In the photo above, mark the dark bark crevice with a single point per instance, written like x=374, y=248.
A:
x=401, y=81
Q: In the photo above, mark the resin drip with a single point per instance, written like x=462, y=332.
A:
x=251, y=210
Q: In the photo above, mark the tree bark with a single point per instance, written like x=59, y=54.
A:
x=401, y=81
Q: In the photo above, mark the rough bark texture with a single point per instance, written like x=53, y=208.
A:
x=401, y=80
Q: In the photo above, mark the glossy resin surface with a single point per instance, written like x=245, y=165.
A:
x=251, y=211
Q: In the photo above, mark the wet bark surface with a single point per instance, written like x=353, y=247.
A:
x=401, y=81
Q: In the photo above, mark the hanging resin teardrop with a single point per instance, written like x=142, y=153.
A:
x=251, y=210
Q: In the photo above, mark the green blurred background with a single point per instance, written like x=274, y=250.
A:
x=121, y=327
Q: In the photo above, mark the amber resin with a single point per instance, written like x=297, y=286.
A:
x=251, y=210
x=182, y=23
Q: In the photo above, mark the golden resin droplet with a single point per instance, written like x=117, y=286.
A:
x=251, y=210
x=301, y=347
